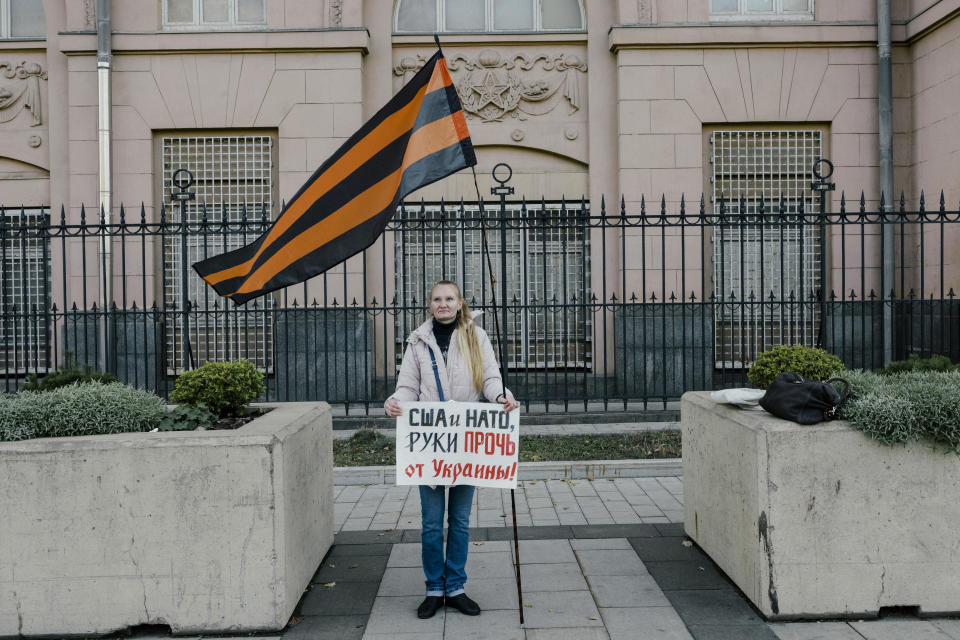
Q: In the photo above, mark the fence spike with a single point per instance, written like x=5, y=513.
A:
x=923, y=201
x=673, y=297
x=943, y=203
x=683, y=206
x=122, y=215
x=951, y=294
x=903, y=201
x=613, y=298
x=83, y=214
x=653, y=297
x=843, y=202
x=703, y=206
x=63, y=216
x=643, y=207
x=863, y=202
x=143, y=213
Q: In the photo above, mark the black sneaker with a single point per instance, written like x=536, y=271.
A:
x=463, y=604
x=429, y=606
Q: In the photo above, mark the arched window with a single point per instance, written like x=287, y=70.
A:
x=429, y=16
x=22, y=19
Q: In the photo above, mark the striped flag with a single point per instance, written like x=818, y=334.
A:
x=419, y=137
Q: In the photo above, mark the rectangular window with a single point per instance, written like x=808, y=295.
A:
x=547, y=275
x=761, y=10
x=234, y=186
x=24, y=290
x=22, y=19
x=214, y=14
x=766, y=264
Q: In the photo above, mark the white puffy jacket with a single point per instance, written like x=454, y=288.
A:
x=417, y=382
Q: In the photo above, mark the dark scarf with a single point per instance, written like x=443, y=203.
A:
x=442, y=333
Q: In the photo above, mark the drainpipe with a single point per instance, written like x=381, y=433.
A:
x=104, y=139
x=885, y=118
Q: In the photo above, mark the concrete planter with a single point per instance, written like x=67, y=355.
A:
x=820, y=521
x=203, y=531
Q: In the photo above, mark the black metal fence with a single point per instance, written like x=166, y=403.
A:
x=603, y=306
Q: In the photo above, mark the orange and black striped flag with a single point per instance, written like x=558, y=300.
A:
x=419, y=137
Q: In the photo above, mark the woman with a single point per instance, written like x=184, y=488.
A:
x=466, y=368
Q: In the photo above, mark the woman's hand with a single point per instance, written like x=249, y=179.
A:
x=392, y=407
x=508, y=401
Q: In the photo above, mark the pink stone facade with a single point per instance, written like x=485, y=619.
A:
x=622, y=107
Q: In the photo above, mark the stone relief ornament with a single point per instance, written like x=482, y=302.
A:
x=336, y=13
x=492, y=87
x=22, y=93
x=90, y=14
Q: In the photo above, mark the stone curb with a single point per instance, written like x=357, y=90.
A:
x=571, y=470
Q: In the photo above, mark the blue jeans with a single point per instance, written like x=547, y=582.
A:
x=445, y=573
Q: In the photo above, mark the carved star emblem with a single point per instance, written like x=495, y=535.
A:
x=490, y=91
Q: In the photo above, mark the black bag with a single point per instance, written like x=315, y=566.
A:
x=791, y=397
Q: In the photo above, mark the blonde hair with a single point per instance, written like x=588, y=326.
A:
x=467, y=342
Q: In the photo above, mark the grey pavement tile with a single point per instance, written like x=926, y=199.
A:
x=610, y=562
x=490, y=565
x=650, y=623
x=600, y=543
x=655, y=520
x=356, y=550
x=356, y=524
x=949, y=626
x=544, y=610
x=627, y=591
x=327, y=628
x=398, y=614
x=344, y=598
x=367, y=537
x=414, y=635
x=559, y=532
x=570, y=633
x=672, y=529
x=732, y=632
x=346, y=569
x=572, y=518
x=668, y=549
x=899, y=629
x=402, y=581
x=539, y=503
x=814, y=631
x=493, y=593
x=502, y=625
x=485, y=546
x=615, y=531
x=648, y=511
x=405, y=554
x=686, y=575
x=545, y=551
x=713, y=607
x=552, y=577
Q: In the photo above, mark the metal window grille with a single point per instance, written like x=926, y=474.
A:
x=765, y=275
x=419, y=16
x=24, y=289
x=547, y=256
x=761, y=9
x=234, y=183
x=193, y=14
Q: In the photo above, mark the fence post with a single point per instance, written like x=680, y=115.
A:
x=822, y=186
x=183, y=183
x=503, y=191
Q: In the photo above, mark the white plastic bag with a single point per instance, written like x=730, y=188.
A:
x=743, y=397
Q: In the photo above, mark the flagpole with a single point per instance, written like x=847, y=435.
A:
x=496, y=325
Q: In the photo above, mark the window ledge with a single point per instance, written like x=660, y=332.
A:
x=344, y=39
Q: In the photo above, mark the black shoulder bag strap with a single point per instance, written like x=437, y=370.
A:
x=436, y=374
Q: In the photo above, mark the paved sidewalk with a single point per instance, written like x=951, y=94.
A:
x=600, y=560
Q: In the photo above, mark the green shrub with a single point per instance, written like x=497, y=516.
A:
x=71, y=373
x=79, y=410
x=815, y=364
x=187, y=418
x=904, y=407
x=915, y=363
x=224, y=387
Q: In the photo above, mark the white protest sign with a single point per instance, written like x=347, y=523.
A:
x=446, y=443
